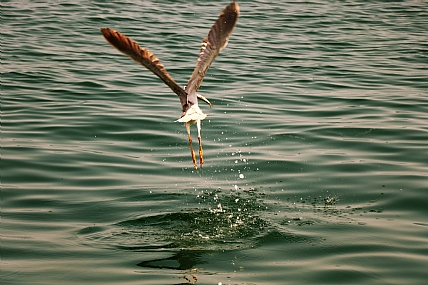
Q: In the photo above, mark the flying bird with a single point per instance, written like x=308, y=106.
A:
x=211, y=46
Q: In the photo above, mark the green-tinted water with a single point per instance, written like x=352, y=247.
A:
x=316, y=157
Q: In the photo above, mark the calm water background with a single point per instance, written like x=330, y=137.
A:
x=316, y=149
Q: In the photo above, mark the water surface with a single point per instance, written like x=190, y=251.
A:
x=316, y=157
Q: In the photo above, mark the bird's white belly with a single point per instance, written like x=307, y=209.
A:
x=194, y=113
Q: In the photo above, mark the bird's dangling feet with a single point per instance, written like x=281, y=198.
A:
x=201, y=152
x=192, y=152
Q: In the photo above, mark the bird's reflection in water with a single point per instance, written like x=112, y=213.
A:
x=184, y=260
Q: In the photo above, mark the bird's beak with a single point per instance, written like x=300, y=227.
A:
x=200, y=97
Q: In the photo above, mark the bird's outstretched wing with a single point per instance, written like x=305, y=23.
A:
x=145, y=58
x=211, y=46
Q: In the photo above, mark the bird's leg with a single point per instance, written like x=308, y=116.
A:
x=192, y=152
x=201, y=153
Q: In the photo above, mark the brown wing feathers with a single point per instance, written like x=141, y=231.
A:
x=211, y=46
x=144, y=57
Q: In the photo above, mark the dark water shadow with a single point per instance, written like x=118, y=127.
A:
x=181, y=260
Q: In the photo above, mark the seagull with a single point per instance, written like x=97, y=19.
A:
x=211, y=46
